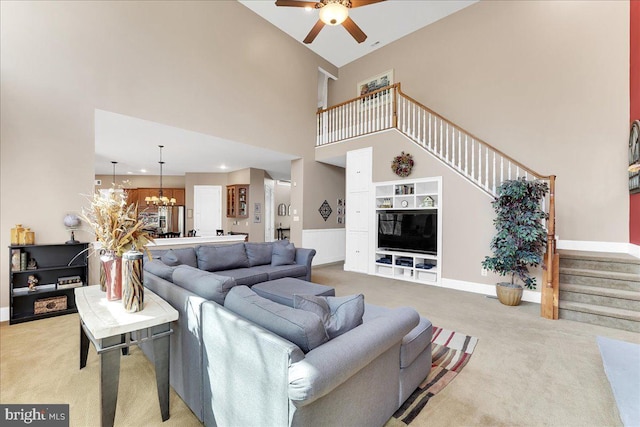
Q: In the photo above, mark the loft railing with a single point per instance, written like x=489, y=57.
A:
x=479, y=162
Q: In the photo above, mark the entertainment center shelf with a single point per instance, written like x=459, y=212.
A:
x=407, y=266
x=409, y=230
x=408, y=195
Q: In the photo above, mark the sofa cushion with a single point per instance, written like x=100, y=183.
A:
x=221, y=257
x=279, y=271
x=302, y=328
x=208, y=285
x=174, y=257
x=245, y=276
x=259, y=253
x=283, y=255
x=159, y=268
x=338, y=314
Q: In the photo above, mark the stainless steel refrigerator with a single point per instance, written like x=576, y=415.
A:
x=171, y=219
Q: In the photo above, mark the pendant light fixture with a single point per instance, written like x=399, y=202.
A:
x=160, y=199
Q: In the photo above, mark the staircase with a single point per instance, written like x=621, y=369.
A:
x=461, y=151
x=601, y=289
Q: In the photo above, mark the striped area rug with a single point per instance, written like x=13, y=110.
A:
x=451, y=351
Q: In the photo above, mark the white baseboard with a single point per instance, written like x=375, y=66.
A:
x=610, y=247
x=329, y=244
x=484, y=289
x=4, y=314
x=634, y=250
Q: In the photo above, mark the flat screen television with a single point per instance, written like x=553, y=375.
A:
x=408, y=231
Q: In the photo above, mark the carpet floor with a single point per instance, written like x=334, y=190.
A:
x=526, y=371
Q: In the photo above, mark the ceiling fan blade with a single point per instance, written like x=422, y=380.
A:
x=358, y=3
x=314, y=32
x=295, y=3
x=354, y=30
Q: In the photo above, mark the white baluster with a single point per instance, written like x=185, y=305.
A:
x=479, y=163
x=501, y=169
x=509, y=172
x=517, y=172
x=486, y=170
x=473, y=159
x=429, y=132
x=494, y=173
x=466, y=154
x=447, y=143
x=453, y=147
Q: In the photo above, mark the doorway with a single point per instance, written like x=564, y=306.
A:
x=207, y=209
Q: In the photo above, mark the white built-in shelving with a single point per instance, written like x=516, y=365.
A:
x=410, y=195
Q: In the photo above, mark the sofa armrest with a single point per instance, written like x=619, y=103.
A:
x=245, y=370
x=305, y=257
x=331, y=364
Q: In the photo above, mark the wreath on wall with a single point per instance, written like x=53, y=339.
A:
x=402, y=164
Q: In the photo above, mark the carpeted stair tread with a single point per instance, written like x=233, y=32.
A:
x=596, y=290
x=632, y=277
x=600, y=310
x=599, y=256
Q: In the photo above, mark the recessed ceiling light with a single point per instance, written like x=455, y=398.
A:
x=129, y=173
x=143, y=170
x=223, y=167
x=308, y=8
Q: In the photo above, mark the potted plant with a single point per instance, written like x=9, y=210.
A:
x=118, y=230
x=520, y=238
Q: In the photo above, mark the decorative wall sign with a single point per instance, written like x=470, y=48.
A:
x=402, y=164
x=325, y=210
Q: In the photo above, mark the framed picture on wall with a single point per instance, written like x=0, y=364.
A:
x=374, y=83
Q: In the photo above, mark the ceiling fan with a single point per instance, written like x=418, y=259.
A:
x=332, y=12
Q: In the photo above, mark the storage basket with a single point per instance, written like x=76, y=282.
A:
x=48, y=305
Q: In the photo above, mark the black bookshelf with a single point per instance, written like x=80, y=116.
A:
x=49, y=263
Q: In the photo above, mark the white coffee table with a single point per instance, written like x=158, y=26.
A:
x=109, y=327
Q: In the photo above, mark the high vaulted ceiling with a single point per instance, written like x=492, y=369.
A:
x=133, y=142
x=383, y=23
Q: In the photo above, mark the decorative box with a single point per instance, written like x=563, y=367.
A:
x=47, y=305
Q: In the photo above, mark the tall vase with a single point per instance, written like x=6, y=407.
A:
x=113, y=275
x=132, y=288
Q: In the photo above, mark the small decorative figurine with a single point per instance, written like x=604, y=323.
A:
x=32, y=281
x=32, y=264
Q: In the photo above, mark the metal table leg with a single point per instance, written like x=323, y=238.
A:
x=109, y=378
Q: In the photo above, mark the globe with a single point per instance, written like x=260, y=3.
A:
x=71, y=221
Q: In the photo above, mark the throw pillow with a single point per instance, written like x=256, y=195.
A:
x=338, y=314
x=259, y=253
x=302, y=328
x=222, y=257
x=283, y=255
x=174, y=257
x=159, y=268
x=207, y=285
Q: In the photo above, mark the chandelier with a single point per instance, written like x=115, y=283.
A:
x=160, y=199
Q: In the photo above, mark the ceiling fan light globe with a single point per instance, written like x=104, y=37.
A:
x=333, y=14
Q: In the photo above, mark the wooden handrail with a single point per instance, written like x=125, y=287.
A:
x=506, y=156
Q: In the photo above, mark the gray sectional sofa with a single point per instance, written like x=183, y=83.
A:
x=234, y=371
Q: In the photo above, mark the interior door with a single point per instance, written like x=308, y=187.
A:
x=207, y=209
